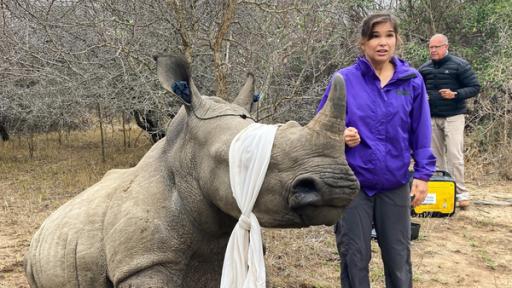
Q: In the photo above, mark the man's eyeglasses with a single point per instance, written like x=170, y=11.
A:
x=436, y=47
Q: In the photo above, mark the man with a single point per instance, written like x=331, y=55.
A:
x=449, y=81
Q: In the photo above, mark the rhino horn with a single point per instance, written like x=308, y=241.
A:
x=245, y=97
x=332, y=116
x=174, y=75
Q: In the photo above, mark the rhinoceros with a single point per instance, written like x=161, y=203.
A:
x=166, y=221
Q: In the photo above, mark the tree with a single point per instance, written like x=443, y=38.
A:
x=81, y=54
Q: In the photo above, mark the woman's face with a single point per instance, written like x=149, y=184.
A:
x=382, y=44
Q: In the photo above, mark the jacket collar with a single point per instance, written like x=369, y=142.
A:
x=402, y=68
x=443, y=60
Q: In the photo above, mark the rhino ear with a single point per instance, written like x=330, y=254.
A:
x=174, y=75
x=245, y=97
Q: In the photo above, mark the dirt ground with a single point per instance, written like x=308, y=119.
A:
x=471, y=249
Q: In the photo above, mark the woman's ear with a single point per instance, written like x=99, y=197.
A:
x=361, y=46
x=398, y=48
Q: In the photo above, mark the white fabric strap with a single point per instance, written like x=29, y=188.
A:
x=249, y=156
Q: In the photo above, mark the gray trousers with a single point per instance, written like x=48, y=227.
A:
x=390, y=213
x=448, y=146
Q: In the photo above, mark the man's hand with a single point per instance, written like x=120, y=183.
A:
x=447, y=93
x=419, y=191
x=351, y=137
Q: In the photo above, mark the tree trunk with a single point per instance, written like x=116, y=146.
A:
x=31, y=146
x=216, y=45
x=125, y=140
x=3, y=133
x=59, y=132
x=101, y=133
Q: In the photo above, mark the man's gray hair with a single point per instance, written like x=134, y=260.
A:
x=442, y=36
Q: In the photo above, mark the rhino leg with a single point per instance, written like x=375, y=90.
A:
x=200, y=270
x=157, y=276
x=204, y=275
x=204, y=269
x=28, y=272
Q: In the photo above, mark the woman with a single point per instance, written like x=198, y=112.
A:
x=387, y=120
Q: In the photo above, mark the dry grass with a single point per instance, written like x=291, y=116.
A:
x=471, y=249
x=31, y=188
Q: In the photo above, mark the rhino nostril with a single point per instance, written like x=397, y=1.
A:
x=304, y=185
x=304, y=192
x=322, y=191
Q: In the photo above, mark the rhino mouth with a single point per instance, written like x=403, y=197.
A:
x=319, y=202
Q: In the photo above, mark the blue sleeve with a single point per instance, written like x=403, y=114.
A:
x=420, y=134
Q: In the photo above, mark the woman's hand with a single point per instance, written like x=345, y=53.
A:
x=419, y=191
x=351, y=137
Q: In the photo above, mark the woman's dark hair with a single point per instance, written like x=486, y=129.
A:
x=371, y=20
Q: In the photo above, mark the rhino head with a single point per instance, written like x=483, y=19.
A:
x=308, y=181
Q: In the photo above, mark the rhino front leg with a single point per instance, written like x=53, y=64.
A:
x=157, y=276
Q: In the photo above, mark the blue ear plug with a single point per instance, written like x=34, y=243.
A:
x=256, y=97
x=181, y=89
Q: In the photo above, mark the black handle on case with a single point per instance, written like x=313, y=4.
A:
x=442, y=173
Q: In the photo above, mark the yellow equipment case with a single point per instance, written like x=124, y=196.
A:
x=440, y=200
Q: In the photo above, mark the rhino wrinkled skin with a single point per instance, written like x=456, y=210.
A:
x=166, y=222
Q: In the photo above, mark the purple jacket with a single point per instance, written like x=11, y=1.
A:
x=393, y=122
